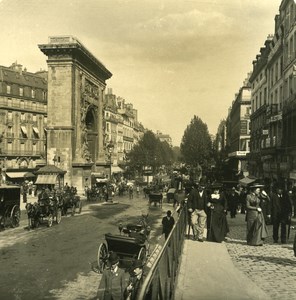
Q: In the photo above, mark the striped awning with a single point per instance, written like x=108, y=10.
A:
x=46, y=179
x=15, y=174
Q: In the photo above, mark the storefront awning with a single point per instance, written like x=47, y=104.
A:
x=116, y=169
x=101, y=180
x=35, y=129
x=24, y=130
x=16, y=174
x=46, y=179
x=246, y=181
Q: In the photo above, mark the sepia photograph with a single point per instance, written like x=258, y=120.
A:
x=147, y=149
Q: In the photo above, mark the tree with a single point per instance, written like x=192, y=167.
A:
x=150, y=151
x=196, y=145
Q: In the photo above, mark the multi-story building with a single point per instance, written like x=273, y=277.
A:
x=259, y=100
x=238, y=136
x=271, y=151
x=23, y=118
x=128, y=115
x=164, y=137
x=287, y=164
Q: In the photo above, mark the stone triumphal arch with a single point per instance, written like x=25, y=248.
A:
x=75, y=133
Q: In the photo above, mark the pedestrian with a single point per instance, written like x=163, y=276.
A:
x=281, y=211
x=217, y=208
x=135, y=281
x=131, y=192
x=176, y=199
x=114, y=281
x=256, y=228
x=265, y=205
x=294, y=201
x=168, y=223
x=232, y=202
x=197, y=203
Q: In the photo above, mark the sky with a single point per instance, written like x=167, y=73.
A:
x=172, y=59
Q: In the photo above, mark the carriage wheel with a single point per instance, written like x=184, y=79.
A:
x=15, y=216
x=50, y=220
x=80, y=207
x=59, y=216
x=102, y=257
x=142, y=254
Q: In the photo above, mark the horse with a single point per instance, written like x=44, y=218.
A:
x=33, y=212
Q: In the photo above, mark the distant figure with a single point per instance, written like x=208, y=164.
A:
x=113, y=282
x=131, y=192
x=281, y=211
x=232, y=202
x=167, y=224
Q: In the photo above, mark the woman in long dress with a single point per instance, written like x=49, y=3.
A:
x=256, y=227
x=217, y=222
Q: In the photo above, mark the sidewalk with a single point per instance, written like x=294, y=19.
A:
x=207, y=272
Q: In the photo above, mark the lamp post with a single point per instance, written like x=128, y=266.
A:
x=110, y=148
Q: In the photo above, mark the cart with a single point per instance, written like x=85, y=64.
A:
x=171, y=194
x=44, y=211
x=155, y=198
x=10, y=212
x=131, y=244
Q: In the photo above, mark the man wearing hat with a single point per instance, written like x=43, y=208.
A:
x=281, y=211
x=136, y=280
x=113, y=282
x=168, y=223
x=197, y=203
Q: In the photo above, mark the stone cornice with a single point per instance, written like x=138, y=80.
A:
x=70, y=48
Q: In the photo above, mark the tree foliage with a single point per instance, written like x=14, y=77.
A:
x=196, y=145
x=150, y=151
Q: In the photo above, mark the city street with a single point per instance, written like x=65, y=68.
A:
x=55, y=263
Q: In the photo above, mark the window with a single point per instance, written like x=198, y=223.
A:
x=9, y=116
x=21, y=91
x=23, y=117
x=33, y=93
x=34, y=118
x=8, y=89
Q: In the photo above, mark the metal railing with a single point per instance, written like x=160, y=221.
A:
x=161, y=278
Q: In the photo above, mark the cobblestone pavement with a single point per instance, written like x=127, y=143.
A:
x=271, y=266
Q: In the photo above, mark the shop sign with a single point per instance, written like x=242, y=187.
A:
x=284, y=166
x=292, y=175
x=265, y=131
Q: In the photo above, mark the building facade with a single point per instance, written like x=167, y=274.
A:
x=23, y=118
x=238, y=131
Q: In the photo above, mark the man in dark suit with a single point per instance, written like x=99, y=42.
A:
x=197, y=203
x=167, y=224
x=281, y=211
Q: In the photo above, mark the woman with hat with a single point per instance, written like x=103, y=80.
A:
x=217, y=222
x=114, y=280
x=256, y=228
x=136, y=280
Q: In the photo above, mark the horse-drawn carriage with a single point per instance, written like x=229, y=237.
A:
x=70, y=201
x=155, y=197
x=45, y=210
x=131, y=244
x=9, y=205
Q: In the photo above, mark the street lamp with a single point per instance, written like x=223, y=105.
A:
x=110, y=148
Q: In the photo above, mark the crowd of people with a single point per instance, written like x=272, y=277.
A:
x=208, y=207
